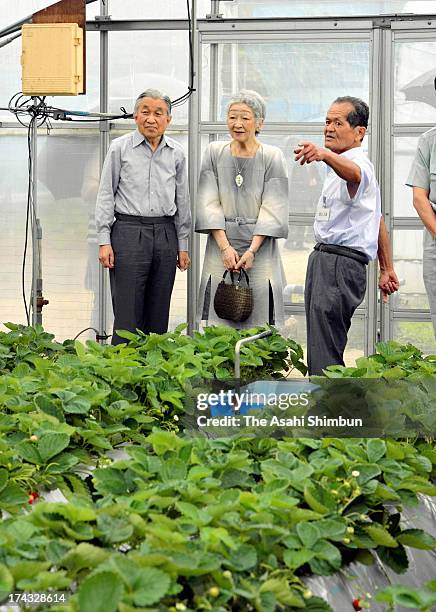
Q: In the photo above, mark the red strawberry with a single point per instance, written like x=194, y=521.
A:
x=33, y=496
x=356, y=605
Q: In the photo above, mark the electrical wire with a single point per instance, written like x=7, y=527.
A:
x=103, y=336
x=67, y=115
x=19, y=106
x=84, y=330
x=188, y=94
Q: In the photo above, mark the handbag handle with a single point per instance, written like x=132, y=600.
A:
x=241, y=272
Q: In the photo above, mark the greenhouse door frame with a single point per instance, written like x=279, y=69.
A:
x=414, y=30
x=380, y=33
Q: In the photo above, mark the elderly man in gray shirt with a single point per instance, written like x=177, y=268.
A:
x=143, y=218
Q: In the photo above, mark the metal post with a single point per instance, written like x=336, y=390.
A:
x=104, y=145
x=213, y=83
x=10, y=39
x=193, y=146
x=215, y=8
x=387, y=118
x=240, y=343
x=36, y=229
x=376, y=64
x=14, y=27
x=235, y=66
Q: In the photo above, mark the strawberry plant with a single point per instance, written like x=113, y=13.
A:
x=234, y=523
x=180, y=523
x=23, y=343
x=412, y=598
x=391, y=360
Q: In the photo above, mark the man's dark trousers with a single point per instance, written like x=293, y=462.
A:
x=142, y=280
x=335, y=287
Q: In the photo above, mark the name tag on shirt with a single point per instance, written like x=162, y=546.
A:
x=322, y=214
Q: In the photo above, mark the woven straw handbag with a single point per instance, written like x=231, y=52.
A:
x=232, y=301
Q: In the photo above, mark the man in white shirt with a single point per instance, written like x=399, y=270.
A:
x=349, y=230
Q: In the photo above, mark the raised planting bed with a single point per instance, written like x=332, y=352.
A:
x=181, y=523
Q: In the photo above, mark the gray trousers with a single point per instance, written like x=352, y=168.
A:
x=142, y=279
x=429, y=272
x=335, y=286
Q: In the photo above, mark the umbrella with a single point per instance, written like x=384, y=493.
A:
x=422, y=88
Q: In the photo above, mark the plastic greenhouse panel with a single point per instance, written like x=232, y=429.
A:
x=355, y=580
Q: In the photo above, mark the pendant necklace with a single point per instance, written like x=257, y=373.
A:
x=239, y=179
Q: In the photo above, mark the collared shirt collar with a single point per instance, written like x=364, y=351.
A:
x=139, y=138
x=353, y=152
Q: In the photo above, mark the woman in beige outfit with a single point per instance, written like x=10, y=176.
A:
x=242, y=205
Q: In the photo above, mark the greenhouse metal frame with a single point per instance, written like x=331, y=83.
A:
x=380, y=34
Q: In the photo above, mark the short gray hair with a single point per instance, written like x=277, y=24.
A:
x=156, y=95
x=360, y=115
x=252, y=99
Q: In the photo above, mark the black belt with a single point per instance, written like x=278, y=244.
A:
x=143, y=220
x=342, y=250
